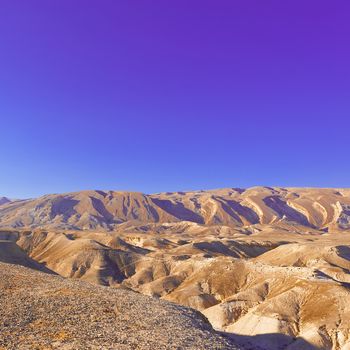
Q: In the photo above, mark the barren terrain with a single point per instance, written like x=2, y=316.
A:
x=41, y=311
x=269, y=267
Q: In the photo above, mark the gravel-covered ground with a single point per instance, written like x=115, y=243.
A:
x=42, y=311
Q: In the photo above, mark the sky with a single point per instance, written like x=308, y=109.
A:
x=161, y=95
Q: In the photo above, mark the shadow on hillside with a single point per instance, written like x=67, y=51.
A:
x=321, y=275
x=11, y=253
x=178, y=210
x=271, y=341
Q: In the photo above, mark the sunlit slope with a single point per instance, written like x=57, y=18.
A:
x=106, y=210
x=42, y=311
x=273, y=288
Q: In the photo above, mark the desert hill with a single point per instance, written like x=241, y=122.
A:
x=4, y=200
x=11, y=253
x=268, y=290
x=106, y=210
x=267, y=266
x=57, y=313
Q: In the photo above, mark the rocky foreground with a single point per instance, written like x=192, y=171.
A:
x=43, y=311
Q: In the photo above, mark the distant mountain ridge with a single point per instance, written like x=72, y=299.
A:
x=105, y=210
x=4, y=200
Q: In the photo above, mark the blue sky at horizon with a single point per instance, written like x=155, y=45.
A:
x=163, y=96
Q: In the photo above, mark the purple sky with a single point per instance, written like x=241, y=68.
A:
x=173, y=95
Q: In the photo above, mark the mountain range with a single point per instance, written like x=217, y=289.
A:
x=321, y=209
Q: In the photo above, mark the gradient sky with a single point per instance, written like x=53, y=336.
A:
x=173, y=95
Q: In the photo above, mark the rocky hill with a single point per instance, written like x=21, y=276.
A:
x=324, y=209
x=42, y=311
x=271, y=289
x=269, y=267
x=4, y=200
